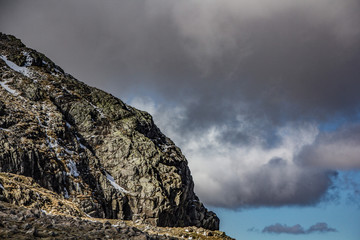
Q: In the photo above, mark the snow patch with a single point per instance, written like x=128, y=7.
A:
x=7, y=88
x=13, y=66
x=53, y=144
x=2, y=187
x=82, y=146
x=97, y=109
x=79, y=141
x=72, y=167
x=68, y=151
x=4, y=129
x=40, y=123
x=45, y=212
x=165, y=148
x=66, y=194
x=29, y=59
x=65, y=89
x=57, y=72
x=115, y=185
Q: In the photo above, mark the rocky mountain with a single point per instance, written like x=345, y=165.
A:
x=105, y=158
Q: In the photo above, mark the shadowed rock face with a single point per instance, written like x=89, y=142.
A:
x=107, y=157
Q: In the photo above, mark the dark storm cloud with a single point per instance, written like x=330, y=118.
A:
x=280, y=60
x=238, y=72
x=298, y=229
x=110, y=44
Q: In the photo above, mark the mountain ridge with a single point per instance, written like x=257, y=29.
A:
x=76, y=140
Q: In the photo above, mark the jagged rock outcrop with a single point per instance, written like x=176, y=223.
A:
x=24, y=191
x=21, y=223
x=105, y=156
x=28, y=211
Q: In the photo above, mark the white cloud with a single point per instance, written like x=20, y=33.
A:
x=231, y=174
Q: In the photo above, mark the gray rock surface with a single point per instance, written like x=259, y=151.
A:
x=105, y=156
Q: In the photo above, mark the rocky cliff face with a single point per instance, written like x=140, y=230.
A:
x=106, y=157
x=50, y=216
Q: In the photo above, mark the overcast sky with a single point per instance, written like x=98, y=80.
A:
x=262, y=96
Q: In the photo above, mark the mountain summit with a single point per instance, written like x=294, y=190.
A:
x=106, y=158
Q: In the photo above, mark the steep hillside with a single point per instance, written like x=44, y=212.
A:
x=48, y=215
x=104, y=156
